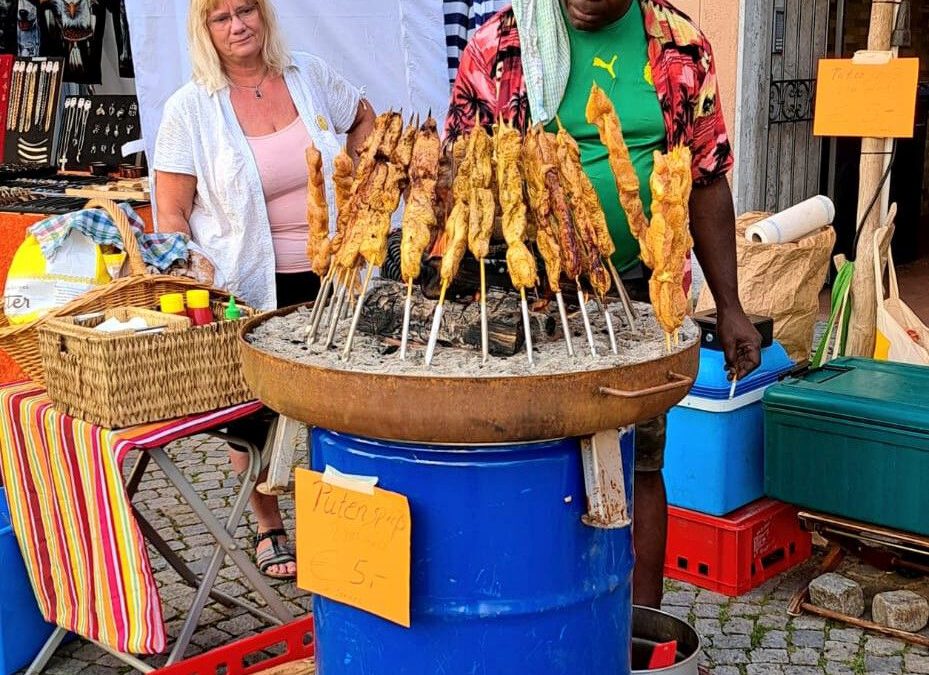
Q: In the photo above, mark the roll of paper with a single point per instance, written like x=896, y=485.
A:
x=793, y=224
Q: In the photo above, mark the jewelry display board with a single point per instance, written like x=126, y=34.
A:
x=32, y=110
x=94, y=129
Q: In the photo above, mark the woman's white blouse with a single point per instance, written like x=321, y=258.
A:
x=200, y=136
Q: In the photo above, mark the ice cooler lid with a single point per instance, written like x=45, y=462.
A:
x=879, y=392
x=712, y=377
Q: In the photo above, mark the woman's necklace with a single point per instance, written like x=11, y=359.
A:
x=254, y=87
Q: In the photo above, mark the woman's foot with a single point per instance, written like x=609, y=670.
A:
x=273, y=555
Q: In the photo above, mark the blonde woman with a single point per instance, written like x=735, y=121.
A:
x=230, y=172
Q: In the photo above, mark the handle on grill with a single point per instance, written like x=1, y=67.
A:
x=677, y=381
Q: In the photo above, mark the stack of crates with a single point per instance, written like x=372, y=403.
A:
x=722, y=534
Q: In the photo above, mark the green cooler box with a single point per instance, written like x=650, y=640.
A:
x=852, y=439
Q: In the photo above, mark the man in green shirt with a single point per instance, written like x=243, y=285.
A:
x=528, y=64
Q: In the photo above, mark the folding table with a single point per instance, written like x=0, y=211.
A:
x=84, y=542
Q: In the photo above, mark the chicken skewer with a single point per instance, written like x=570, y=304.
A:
x=419, y=218
x=318, y=245
x=361, y=213
x=481, y=217
x=519, y=260
x=668, y=239
x=588, y=214
x=348, y=204
x=571, y=260
x=374, y=244
x=456, y=232
x=541, y=213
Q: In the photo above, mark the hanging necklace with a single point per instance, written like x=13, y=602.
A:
x=254, y=87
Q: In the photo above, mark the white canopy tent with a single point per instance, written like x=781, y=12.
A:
x=395, y=49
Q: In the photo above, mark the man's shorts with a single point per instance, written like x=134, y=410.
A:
x=649, y=445
x=650, y=435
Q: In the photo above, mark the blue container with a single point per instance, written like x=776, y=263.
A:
x=505, y=577
x=714, y=457
x=23, y=631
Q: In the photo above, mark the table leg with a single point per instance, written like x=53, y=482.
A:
x=226, y=544
x=48, y=650
x=188, y=575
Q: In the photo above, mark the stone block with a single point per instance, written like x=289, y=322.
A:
x=837, y=594
x=902, y=610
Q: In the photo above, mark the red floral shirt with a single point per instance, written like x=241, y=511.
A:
x=683, y=69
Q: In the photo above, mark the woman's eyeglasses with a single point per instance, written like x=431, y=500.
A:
x=224, y=21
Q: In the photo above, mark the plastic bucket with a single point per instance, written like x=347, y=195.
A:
x=505, y=576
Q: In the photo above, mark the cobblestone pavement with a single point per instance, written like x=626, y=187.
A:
x=751, y=635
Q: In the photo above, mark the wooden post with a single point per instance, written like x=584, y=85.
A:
x=873, y=165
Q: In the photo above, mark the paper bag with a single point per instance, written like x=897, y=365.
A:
x=781, y=281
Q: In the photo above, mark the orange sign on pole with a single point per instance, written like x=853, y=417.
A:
x=867, y=100
x=353, y=544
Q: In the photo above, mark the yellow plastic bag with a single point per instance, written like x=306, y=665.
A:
x=35, y=285
x=900, y=335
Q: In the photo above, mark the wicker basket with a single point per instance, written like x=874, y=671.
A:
x=138, y=289
x=120, y=379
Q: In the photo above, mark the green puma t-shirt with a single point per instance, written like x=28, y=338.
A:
x=616, y=58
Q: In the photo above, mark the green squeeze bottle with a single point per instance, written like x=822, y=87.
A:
x=232, y=310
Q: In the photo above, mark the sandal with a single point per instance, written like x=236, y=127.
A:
x=275, y=554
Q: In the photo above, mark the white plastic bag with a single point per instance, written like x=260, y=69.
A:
x=900, y=335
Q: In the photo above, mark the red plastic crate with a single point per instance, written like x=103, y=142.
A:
x=736, y=553
x=296, y=637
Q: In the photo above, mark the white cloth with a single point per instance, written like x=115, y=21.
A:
x=200, y=136
x=545, y=55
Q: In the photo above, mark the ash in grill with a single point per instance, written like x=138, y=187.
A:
x=380, y=323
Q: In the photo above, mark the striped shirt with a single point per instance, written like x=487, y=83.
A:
x=462, y=18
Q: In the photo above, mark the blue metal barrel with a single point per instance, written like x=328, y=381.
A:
x=505, y=577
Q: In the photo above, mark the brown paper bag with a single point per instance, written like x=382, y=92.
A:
x=782, y=281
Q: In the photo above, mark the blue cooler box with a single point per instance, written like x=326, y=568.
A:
x=23, y=631
x=714, y=457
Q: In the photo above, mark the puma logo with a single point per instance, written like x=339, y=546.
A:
x=608, y=67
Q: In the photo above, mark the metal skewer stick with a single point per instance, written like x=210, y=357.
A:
x=623, y=296
x=321, y=298
x=565, y=326
x=526, y=327
x=583, y=303
x=352, y=284
x=436, y=322
x=485, y=348
x=608, y=318
x=335, y=310
x=358, y=307
x=325, y=312
x=407, y=308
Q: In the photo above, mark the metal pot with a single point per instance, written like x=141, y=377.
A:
x=651, y=627
x=475, y=410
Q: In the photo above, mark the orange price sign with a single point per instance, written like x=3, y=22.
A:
x=868, y=100
x=353, y=545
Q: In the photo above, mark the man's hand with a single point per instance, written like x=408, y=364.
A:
x=741, y=342
x=712, y=222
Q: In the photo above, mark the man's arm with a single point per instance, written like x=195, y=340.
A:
x=712, y=223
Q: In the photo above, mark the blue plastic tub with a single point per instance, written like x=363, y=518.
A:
x=23, y=631
x=714, y=458
x=505, y=577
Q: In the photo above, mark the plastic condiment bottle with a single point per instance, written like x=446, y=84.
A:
x=232, y=310
x=172, y=303
x=198, y=307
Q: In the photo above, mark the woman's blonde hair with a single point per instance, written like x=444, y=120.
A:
x=207, y=68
